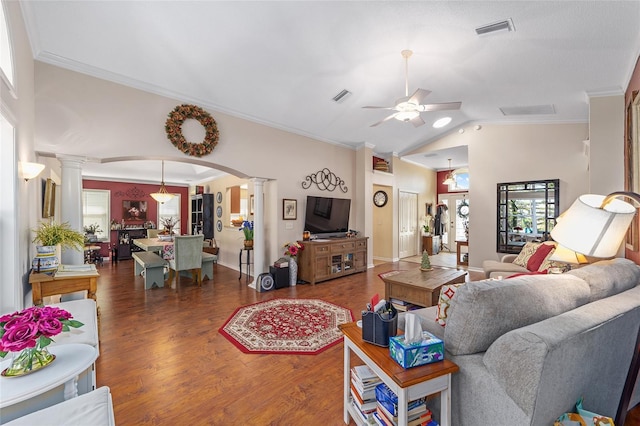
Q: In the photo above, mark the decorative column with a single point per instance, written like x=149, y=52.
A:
x=71, y=202
x=258, y=230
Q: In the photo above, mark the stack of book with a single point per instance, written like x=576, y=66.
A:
x=386, y=413
x=363, y=392
x=404, y=306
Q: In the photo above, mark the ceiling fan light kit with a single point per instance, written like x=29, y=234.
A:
x=408, y=108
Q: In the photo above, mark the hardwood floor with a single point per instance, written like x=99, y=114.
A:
x=165, y=362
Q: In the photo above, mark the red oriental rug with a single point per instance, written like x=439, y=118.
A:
x=286, y=326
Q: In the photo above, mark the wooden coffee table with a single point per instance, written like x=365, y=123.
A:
x=420, y=287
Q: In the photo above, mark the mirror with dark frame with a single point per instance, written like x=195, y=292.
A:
x=527, y=211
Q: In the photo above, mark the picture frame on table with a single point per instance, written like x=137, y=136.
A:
x=632, y=164
x=289, y=209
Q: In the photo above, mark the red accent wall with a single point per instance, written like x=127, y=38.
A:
x=124, y=191
x=634, y=84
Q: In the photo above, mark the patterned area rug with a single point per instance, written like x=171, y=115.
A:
x=286, y=326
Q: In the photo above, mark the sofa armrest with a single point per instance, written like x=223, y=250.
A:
x=508, y=258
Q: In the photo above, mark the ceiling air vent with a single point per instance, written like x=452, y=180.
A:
x=506, y=25
x=529, y=110
x=340, y=96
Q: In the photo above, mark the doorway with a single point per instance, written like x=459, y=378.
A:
x=457, y=218
x=408, y=224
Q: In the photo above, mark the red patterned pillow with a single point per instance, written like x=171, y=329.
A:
x=537, y=258
x=446, y=294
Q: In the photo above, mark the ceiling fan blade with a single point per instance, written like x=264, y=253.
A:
x=418, y=96
x=440, y=107
x=417, y=121
x=377, y=107
x=387, y=118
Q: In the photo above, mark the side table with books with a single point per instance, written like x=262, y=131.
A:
x=408, y=385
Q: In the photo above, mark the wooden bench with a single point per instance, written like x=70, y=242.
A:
x=208, y=260
x=153, y=267
x=207, y=266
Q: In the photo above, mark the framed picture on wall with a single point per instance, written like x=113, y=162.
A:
x=48, y=198
x=134, y=210
x=632, y=164
x=289, y=209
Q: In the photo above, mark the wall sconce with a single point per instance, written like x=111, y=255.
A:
x=29, y=170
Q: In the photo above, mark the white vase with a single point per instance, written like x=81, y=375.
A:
x=46, y=259
x=293, y=272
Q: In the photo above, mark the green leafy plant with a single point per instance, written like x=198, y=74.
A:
x=94, y=228
x=52, y=234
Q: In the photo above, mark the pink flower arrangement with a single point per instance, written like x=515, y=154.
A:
x=292, y=249
x=33, y=327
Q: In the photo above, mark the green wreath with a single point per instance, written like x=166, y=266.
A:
x=173, y=127
x=463, y=209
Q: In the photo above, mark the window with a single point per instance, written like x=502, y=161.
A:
x=169, y=209
x=527, y=211
x=460, y=180
x=6, y=55
x=96, y=210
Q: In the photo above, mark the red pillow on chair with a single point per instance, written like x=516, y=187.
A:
x=539, y=256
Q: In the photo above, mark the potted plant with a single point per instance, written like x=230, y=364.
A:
x=49, y=236
x=90, y=232
x=247, y=229
x=168, y=223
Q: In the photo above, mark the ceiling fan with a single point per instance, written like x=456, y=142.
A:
x=408, y=108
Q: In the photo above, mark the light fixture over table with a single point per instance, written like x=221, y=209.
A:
x=449, y=178
x=162, y=196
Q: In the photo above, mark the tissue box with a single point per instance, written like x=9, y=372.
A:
x=430, y=349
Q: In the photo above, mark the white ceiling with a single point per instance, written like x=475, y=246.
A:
x=281, y=63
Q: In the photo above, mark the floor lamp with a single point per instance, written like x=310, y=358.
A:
x=595, y=226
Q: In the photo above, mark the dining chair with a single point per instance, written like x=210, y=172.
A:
x=187, y=257
x=152, y=233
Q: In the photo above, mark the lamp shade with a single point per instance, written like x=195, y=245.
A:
x=564, y=255
x=30, y=170
x=590, y=229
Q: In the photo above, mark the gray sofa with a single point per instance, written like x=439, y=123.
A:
x=530, y=346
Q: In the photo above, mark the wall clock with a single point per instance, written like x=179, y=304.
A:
x=219, y=211
x=219, y=226
x=380, y=198
x=219, y=197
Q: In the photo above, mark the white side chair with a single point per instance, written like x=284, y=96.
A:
x=85, y=311
x=93, y=408
x=187, y=257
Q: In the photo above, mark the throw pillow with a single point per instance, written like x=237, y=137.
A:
x=539, y=256
x=444, y=302
x=527, y=251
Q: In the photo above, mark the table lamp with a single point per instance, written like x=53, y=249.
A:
x=595, y=226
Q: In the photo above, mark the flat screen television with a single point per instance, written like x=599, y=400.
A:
x=327, y=217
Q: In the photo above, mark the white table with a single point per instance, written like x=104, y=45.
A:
x=408, y=384
x=25, y=394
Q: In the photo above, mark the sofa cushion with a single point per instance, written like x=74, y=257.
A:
x=525, y=254
x=482, y=311
x=608, y=277
x=493, y=268
x=446, y=294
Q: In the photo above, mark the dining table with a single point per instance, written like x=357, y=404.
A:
x=152, y=244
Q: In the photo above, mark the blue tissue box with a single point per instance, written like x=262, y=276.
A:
x=430, y=349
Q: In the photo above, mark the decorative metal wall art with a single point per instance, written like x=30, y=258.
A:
x=134, y=192
x=326, y=180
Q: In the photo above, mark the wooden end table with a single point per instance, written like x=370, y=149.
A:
x=47, y=285
x=420, y=287
x=408, y=384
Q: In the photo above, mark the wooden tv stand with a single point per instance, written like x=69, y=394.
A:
x=325, y=259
